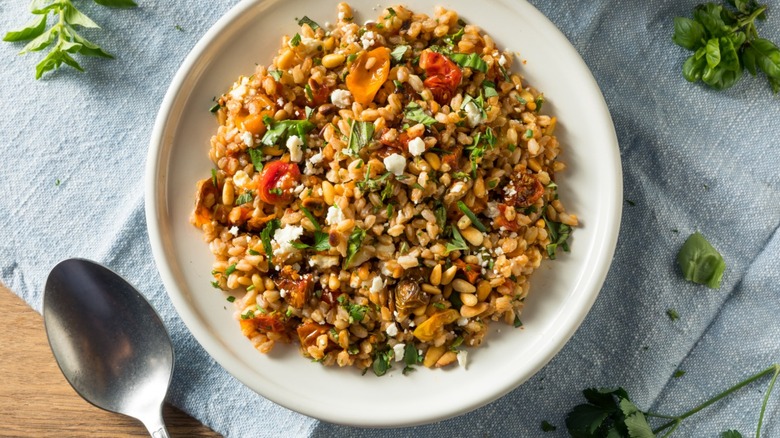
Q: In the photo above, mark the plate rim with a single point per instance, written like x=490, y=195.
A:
x=155, y=211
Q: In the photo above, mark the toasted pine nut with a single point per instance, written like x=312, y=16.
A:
x=464, y=286
x=436, y=275
x=473, y=235
x=448, y=275
x=468, y=299
x=472, y=311
x=332, y=60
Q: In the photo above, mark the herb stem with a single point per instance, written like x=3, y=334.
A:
x=750, y=18
x=776, y=368
x=676, y=420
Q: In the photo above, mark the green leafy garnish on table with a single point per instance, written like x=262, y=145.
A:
x=63, y=34
x=725, y=42
x=700, y=262
x=610, y=413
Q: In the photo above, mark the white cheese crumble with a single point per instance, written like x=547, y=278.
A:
x=241, y=179
x=233, y=230
x=416, y=146
x=463, y=357
x=342, y=16
x=248, y=139
x=316, y=158
x=492, y=210
x=334, y=216
x=341, y=98
x=502, y=61
x=295, y=145
x=368, y=39
x=239, y=92
x=376, y=285
x=462, y=321
x=391, y=330
x=395, y=164
x=473, y=115
x=398, y=349
x=510, y=190
x=284, y=237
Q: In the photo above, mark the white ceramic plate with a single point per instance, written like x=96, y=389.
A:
x=562, y=291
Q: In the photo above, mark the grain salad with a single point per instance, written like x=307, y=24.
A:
x=382, y=192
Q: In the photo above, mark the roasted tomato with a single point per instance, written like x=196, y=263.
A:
x=263, y=323
x=502, y=221
x=452, y=156
x=401, y=142
x=309, y=332
x=330, y=296
x=277, y=181
x=297, y=287
x=523, y=190
x=442, y=76
x=319, y=93
x=366, y=77
x=470, y=270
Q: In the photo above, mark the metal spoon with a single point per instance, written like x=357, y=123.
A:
x=108, y=341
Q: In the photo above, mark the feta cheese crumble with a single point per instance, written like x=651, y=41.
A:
x=334, y=216
x=284, y=237
x=376, y=284
x=295, y=145
x=473, y=115
x=398, y=349
x=416, y=146
x=341, y=98
x=233, y=230
x=395, y=164
x=463, y=357
x=391, y=330
x=368, y=39
x=248, y=139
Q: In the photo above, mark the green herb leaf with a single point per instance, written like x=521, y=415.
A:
x=415, y=113
x=457, y=243
x=411, y=355
x=117, y=3
x=311, y=218
x=517, y=323
x=360, y=135
x=230, y=269
x=398, y=53
x=688, y=33
x=266, y=235
x=244, y=198
x=672, y=314
x=730, y=434
x=295, y=40
x=29, y=31
x=381, y=363
x=559, y=235
x=700, y=262
x=276, y=74
x=257, y=157
x=231, y=299
x=679, y=373
x=472, y=61
x=306, y=20
x=489, y=89
x=353, y=245
x=278, y=132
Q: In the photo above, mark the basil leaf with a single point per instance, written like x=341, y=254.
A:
x=28, y=32
x=415, y=113
x=117, y=3
x=266, y=235
x=694, y=66
x=398, y=53
x=283, y=129
x=74, y=17
x=360, y=134
x=688, y=33
x=41, y=41
x=472, y=61
x=306, y=20
x=713, y=52
x=710, y=16
x=353, y=245
x=767, y=57
x=749, y=59
x=296, y=39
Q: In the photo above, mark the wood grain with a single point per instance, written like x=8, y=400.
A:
x=35, y=398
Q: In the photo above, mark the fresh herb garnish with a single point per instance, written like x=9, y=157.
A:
x=306, y=20
x=398, y=53
x=529, y=133
x=472, y=61
x=517, y=323
x=415, y=113
x=539, y=101
x=700, y=262
x=213, y=178
x=609, y=412
x=230, y=269
x=295, y=41
x=63, y=34
x=474, y=220
x=724, y=42
x=730, y=434
x=411, y=355
x=282, y=129
x=257, y=157
x=382, y=362
x=559, y=235
x=672, y=314
x=368, y=184
x=276, y=74
x=245, y=198
x=679, y=373
x=231, y=298
x=253, y=252
x=453, y=39
x=321, y=242
x=461, y=175
x=457, y=243
x=308, y=111
x=489, y=89
x=360, y=134
x=214, y=108
x=266, y=235
x=353, y=245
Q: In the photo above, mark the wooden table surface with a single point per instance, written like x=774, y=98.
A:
x=35, y=398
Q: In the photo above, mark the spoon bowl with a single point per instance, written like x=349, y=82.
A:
x=108, y=341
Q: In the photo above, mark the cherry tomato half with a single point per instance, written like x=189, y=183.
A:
x=442, y=76
x=363, y=82
x=277, y=181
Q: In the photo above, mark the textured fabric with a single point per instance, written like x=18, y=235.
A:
x=693, y=160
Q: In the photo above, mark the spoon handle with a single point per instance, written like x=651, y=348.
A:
x=156, y=426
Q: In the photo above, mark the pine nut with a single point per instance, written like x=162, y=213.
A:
x=472, y=311
x=463, y=286
x=448, y=275
x=436, y=275
x=469, y=299
x=483, y=290
x=473, y=235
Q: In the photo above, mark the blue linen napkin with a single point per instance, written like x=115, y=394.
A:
x=693, y=160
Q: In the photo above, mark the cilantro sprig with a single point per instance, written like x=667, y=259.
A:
x=725, y=42
x=63, y=34
x=609, y=412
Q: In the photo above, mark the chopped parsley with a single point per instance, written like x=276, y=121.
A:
x=245, y=198
x=353, y=245
x=276, y=74
x=231, y=298
x=679, y=373
x=214, y=108
x=213, y=178
x=382, y=362
x=282, y=129
x=306, y=20
x=559, y=235
x=295, y=41
x=517, y=323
